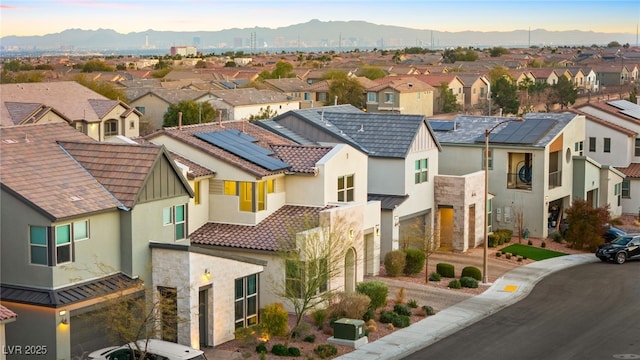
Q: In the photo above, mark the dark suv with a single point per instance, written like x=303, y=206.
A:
x=621, y=249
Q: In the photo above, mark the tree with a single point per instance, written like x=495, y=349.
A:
x=498, y=72
x=419, y=235
x=347, y=91
x=96, y=65
x=563, y=92
x=505, y=96
x=585, y=225
x=633, y=95
x=103, y=88
x=192, y=113
x=282, y=70
x=313, y=255
x=498, y=51
x=448, y=100
x=265, y=113
x=613, y=44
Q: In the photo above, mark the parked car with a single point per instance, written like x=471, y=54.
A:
x=610, y=232
x=155, y=350
x=621, y=249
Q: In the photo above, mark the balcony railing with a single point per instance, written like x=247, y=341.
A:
x=515, y=182
x=555, y=179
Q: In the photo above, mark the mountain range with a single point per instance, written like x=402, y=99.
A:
x=314, y=35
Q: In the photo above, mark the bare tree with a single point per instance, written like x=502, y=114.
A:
x=312, y=259
x=519, y=215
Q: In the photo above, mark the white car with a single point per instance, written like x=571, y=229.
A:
x=155, y=350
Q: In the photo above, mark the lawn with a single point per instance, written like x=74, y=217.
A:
x=531, y=252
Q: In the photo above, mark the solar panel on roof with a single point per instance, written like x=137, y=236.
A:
x=244, y=146
x=442, y=125
x=528, y=132
x=634, y=113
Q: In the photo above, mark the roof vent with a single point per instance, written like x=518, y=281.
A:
x=361, y=128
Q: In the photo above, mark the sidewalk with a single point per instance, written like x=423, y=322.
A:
x=512, y=287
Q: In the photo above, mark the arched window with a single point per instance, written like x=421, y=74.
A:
x=111, y=128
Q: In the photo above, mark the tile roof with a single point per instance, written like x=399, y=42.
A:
x=71, y=294
x=6, y=314
x=186, y=134
x=303, y=159
x=171, y=96
x=250, y=96
x=376, y=134
x=603, y=122
x=469, y=128
x=28, y=113
x=288, y=84
x=195, y=170
x=405, y=84
x=71, y=99
x=269, y=235
x=632, y=171
x=607, y=107
x=121, y=168
x=37, y=169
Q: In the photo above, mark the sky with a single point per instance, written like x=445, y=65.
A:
x=42, y=17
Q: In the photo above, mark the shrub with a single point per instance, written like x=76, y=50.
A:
x=498, y=254
x=301, y=331
x=454, y=284
x=434, y=276
x=376, y=290
x=325, y=350
x=472, y=271
x=399, y=296
x=468, y=282
x=508, y=255
x=280, y=350
x=402, y=309
x=310, y=338
x=350, y=305
x=556, y=236
x=370, y=314
x=428, y=309
x=319, y=316
x=293, y=351
x=446, y=270
x=275, y=319
x=261, y=347
x=394, y=262
x=529, y=242
x=519, y=259
x=543, y=244
x=414, y=261
x=249, y=335
x=397, y=320
x=412, y=303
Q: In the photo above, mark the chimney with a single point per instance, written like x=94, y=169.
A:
x=220, y=118
x=180, y=120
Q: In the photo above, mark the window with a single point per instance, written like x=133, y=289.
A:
x=520, y=171
x=637, y=151
x=80, y=230
x=607, y=145
x=307, y=96
x=63, y=244
x=626, y=189
x=111, y=127
x=246, y=301
x=38, y=242
x=490, y=159
x=246, y=196
x=271, y=186
x=345, y=188
x=371, y=97
x=388, y=97
x=578, y=147
x=617, y=191
x=196, y=192
x=176, y=216
x=322, y=96
x=303, y=276
x=489, y=216
x=230, y=188
x=421, y=171
x=141, y=109
x=592, y=144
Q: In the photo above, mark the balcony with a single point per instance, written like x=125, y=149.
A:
x=555, y=179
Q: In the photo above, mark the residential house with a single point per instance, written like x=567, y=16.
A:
x=611, y=74
x=531, y=165
x=153, y=103
x=316, y=94
x=6, y=316
x=292, y=87
x=260, y=200
x=402, y=95
x=578, y=78
x=544, y=76
x=613, y=138
x=476, y=91
x=241, y=104
x=398, y=144
x=81, y=233
x=454, y=84
x=68, y=101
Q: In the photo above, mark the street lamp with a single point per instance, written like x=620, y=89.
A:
x=487, y=132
